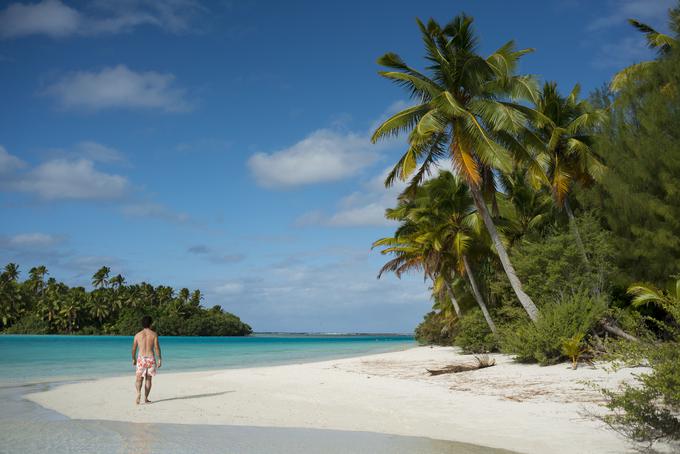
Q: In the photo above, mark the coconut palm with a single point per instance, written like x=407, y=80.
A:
x=100, y=279
x=524, y=209
x=564, y=125
x=439, y=225
x=11, y=272
x=465, y=111
x=663, y=44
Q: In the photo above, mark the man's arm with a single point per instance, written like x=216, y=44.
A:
x=134, y=351
x=157, y=347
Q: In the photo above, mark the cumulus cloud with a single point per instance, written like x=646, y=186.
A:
x=66, y=179
x=8, y=162
x=49, y=17
x=323, y=156
x=55, y=19
x=365, y=208
x=118, y=87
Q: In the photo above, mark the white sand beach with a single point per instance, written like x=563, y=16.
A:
x=525, y=408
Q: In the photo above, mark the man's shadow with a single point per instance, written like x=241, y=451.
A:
x=193, y=396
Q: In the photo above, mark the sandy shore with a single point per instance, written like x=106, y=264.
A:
x=525, y=408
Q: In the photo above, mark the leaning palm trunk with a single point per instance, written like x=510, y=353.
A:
x=478, y=295
x=454, y=301
x=574, y=228
x=524, y=299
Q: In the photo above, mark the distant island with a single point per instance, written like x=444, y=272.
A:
x=40, y=306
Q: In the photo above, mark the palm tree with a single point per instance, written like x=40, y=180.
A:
x=11, y=272
x=439, y=225
x=100, y=278
x=98, y=308
x=564, y=125
x=662, y=43
x=117, y=281
x=36, y=278
x=668, y=300
x=465, y=111
x=523, y=208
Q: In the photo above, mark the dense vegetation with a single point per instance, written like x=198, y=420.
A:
x=39, y=306
x=560, y=221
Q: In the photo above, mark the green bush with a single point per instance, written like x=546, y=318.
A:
x=543, y=341
x=649, y=410
x=552, y=266
x=434, y=330
x=474, y=335
x=30, y=324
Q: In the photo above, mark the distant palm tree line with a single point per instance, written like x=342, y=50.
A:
x=44, y=305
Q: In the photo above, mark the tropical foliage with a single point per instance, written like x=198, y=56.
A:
x=41, y=305
x=515, y=190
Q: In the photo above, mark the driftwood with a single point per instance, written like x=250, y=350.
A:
x=482, y=362
x=615, y=330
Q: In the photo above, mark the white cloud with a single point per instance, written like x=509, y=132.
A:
x=98, y=152
x=55, y=19
x=229, y=288
x=118, y=87
x=323, y=156
x=70, y=179
x=8, y=162
x=24, y=241
x=655, y=11
x=366, y=208
x=154, y=210
x=49, y=17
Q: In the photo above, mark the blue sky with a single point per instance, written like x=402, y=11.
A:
x=224, y=145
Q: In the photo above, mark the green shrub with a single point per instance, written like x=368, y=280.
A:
x=434, y=330
x=30, y=324
x=474, y=335
x=649, y=410
x=552, y=266
x=543, y=341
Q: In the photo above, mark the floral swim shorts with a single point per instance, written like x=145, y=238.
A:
x=146, y=366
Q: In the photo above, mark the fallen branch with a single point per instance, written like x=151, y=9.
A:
x=482, y=362
x=615, y=330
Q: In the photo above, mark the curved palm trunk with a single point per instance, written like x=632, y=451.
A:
x=478, y=295
x=574, y=228
x=524, y=299
x=456, y=307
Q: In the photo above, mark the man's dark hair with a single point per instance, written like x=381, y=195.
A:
x=146, y=321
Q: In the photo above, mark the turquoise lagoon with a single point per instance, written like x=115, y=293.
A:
x=34, y=363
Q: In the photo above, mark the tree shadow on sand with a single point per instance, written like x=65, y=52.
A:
x=193, y=396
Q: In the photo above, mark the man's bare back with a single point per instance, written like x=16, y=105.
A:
x=145, y=350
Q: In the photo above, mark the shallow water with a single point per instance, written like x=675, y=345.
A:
x=34, y=363
x=29, y=429
x=30, y=359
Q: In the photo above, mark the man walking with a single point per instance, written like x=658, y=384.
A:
x=147, y=342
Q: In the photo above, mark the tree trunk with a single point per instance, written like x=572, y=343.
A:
x=615, y=330
x=524, y=299
x=478, y=295
x=456, y=307
x=577, y=234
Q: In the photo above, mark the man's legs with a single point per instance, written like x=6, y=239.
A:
x=147, y=389
x=138, y=384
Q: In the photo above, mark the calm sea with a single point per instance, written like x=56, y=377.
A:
x=34, y=359
x=34, y=363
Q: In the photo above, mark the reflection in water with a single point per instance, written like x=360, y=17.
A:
x=139, y=439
